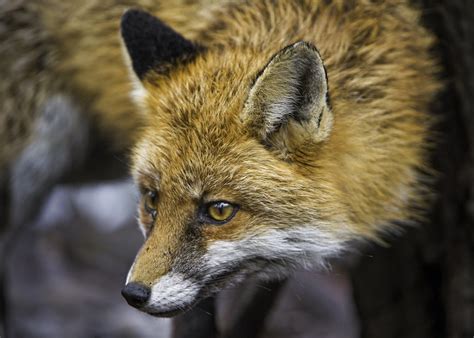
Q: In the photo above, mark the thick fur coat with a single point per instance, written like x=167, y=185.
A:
x=311, y=118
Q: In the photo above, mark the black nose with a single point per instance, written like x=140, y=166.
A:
x=136, y=294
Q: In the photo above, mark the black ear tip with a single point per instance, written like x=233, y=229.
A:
x=151, y=43
x=130, y=13
x=135, y=17
x=128, y=17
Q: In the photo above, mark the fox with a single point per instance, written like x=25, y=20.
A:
x=264, y=135
x=277, y=134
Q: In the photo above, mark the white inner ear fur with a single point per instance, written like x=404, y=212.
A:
x=291, y=92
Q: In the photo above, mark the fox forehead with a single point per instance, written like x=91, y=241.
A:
x=185, y=135
x=191, y=160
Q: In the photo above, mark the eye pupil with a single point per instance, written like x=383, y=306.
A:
x=150, y=203
x=220, y=208
x=152, y=196
x=221, y=211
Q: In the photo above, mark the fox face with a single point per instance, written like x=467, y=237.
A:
x=239, y=166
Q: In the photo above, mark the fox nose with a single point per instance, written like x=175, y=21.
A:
x=136, y=294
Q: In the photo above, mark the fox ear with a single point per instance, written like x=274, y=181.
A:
x=288, y=103
x=152, y=44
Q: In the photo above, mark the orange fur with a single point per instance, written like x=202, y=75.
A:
x=349, y=176
x=366, y=175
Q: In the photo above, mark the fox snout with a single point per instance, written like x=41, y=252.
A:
x=192, y=275
x=171, y=294
x=164, y=299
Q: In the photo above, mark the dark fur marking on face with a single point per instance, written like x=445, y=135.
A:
x=192, y=248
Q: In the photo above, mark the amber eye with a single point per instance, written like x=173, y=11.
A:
x=150, y=198
x=221, y=211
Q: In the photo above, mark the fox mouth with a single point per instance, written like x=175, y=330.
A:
x=168, y=313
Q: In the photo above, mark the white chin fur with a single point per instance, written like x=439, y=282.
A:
x=172, y=292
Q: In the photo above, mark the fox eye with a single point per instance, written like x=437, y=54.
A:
x=221, y=211
x=150, y=198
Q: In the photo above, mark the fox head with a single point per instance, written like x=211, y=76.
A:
x=241, y=165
